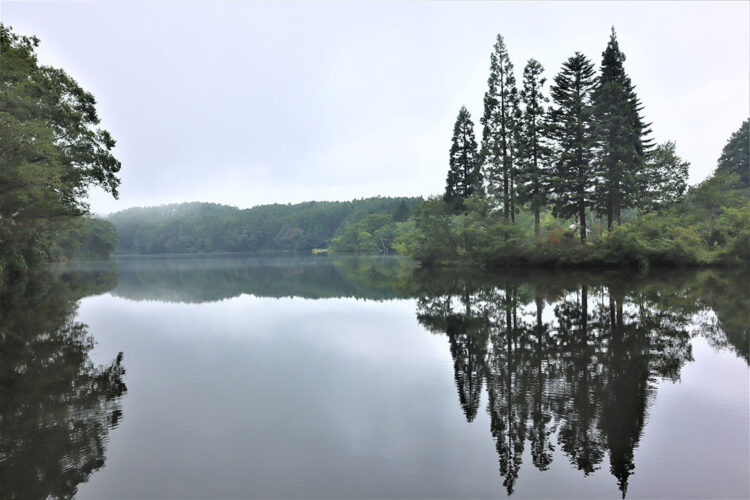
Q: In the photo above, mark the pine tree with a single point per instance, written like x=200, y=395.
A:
x=500, y=129
x=533, y=151
x=464, y=175
x=621, y=134
x=573, y=176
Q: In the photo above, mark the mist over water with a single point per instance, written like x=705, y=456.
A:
x=247, y=376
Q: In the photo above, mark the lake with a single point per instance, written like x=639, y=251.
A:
x=345, y=377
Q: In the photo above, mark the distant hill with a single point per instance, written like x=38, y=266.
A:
x=210, y=227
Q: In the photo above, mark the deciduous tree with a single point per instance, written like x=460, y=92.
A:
x=663, y=180
x=735, y=157
x=51, y=149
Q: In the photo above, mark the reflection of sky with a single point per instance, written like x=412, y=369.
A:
x=256, y=102
x=349, y=398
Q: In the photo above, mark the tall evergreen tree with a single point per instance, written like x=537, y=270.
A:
x=621, y=133
x=735, y=157
x=500, y=128
x=464, y=175
x=533, y=151
x=573, y=176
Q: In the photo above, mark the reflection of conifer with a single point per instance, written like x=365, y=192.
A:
x=468, y=357
x=625, y=397
x=541, y=366
x=468, y=351
x=506, y=408
x=586, y=376
x=579, y=434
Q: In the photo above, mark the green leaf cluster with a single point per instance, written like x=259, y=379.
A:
x=52, y=151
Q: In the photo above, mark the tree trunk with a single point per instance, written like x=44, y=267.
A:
x=506, y=205
x=582, y=218
x=536, y=223
x=617, y=214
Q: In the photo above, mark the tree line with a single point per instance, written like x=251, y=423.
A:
x=578, y=156
x=589, y=149
x=366, y=225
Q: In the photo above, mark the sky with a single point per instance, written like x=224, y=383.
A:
x=248, y=103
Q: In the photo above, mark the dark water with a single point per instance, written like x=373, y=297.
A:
x=369, y=378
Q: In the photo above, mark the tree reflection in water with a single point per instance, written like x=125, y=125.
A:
x=571, y=360
x=56, y=407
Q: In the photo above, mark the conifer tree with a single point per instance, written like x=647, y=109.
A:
x=573, y=176
x=621, y=134
x=464, y=175
x=500, y=129
x=533, y=151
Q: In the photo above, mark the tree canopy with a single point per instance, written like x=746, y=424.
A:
x=209, y=227
x=52, y=151
x=735, y=157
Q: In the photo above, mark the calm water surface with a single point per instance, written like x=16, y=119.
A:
x=369, y=378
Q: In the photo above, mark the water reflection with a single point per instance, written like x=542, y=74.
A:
x=571, y=360
x=56, y=407
x=557, y=366
x=209, y=278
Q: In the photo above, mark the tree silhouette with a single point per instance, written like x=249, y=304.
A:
x=585, y=378
x=56, y=407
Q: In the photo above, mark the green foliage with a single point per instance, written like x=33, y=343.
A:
x=735, y=157
x=207, y=227
x=96, y=237
x=371, y=234
x=500, y=123
x=663, y=180
x=51, y=152
x=431, y=240
x=464, y=176
x=474, y=236
x=534, y=151
x=587, y=159
x=709, y=226
x=621, y=135
x=573, y=176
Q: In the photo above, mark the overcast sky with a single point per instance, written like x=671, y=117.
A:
x=246, y=103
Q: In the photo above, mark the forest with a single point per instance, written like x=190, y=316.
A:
x=578, y=180
x=367, y=225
